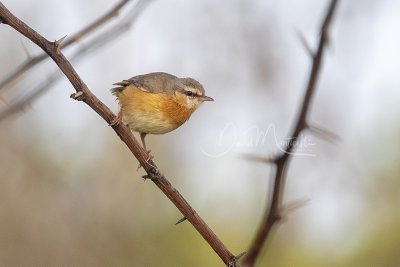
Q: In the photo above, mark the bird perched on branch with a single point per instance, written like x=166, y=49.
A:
x=157, y=103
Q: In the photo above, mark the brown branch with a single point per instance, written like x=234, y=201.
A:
x=32, y=61
x=84, y=94
x=94, y=44
x=273, y=211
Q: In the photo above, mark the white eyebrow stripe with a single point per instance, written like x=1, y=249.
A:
x=193, y=90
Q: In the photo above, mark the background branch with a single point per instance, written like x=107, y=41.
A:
x=32, y=61
x=94, y=44
x=85, y=95
x=273, y=212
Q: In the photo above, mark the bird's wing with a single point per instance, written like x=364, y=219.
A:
x=156, y=82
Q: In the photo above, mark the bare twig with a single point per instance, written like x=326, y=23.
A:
x=124, y=133
x=32, y=61
x=274, y=205
x=94, y=44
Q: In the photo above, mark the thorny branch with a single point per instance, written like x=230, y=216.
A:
x=32, y=61
x=273, y=212
x=94, y=44
x=84, y=94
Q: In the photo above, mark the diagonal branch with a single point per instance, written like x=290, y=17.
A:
x=32, y=61
x=273, y=212
x=84, y=94
x=94, y=44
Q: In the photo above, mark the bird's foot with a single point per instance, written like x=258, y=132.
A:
x=149, y=158
x=117, y=120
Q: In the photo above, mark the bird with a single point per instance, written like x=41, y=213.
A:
x=157, y=103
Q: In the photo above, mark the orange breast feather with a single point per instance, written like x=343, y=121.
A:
x=152, y=113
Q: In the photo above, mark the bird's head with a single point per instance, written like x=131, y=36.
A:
x=190, y=93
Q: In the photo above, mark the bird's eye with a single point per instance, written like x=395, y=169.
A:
x=189, y=93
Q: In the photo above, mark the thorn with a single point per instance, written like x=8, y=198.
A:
x=59, y=41
x=26, y=50
x=240, y=255
x=292, y=207
x=305, y=44
x=259, y=158
x=181, y=220
x=323, y=133
x=77, y=95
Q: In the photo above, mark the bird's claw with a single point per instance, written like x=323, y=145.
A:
x=149, y=157
x=117, y=120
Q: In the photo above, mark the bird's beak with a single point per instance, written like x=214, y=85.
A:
x=205, y=98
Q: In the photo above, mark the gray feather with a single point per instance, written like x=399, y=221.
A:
x=158, y=82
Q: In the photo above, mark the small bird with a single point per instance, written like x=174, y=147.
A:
x=157, y=103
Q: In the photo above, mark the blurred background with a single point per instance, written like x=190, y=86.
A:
x=70, y=193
